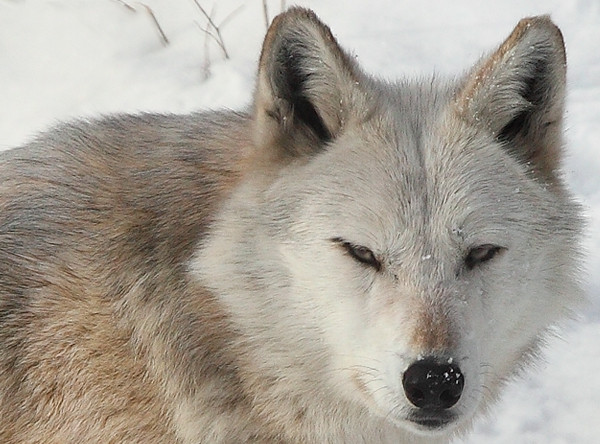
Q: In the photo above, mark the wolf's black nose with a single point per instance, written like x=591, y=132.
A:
x=434, y=386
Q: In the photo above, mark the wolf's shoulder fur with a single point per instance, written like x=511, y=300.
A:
x=332, y=265
x=125, y=169
x=96, y=219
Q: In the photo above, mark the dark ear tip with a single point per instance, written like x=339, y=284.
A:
x=295, y=14
x=291, y=21
x=541, y=24
x=299, y=12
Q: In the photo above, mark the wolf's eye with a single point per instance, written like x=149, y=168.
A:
x=359, y=253
x=481, y=254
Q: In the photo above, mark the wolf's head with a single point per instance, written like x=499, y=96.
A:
x=396, y=249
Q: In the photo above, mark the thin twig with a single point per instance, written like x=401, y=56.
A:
x=219, y=37
x=266, y=13
x=163, y=36
x=206, y=64
x=128, y=6
x=215, y=38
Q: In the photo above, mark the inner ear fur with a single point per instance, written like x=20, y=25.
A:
x=305, y=83
x=518, y=94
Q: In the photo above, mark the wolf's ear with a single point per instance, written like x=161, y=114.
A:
x=518, y=93
x=304, y=85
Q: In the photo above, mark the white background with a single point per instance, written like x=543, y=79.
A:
x=61, y=59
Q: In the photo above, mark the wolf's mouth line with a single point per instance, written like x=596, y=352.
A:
x=432, y=420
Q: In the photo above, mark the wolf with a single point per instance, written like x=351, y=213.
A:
x=349, y=260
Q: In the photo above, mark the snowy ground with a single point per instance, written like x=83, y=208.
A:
x=69, y=58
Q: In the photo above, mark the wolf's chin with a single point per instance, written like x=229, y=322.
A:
x=430, y=425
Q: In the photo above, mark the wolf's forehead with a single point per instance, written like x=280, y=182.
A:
x=406, y=119
x=412, y=159
x=413, y=103
x=408, y=131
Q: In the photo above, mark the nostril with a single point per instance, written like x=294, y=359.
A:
x=448, y=398
x=415, y=395
x=429, y=385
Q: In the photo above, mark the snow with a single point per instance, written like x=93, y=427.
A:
x=61, y=59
